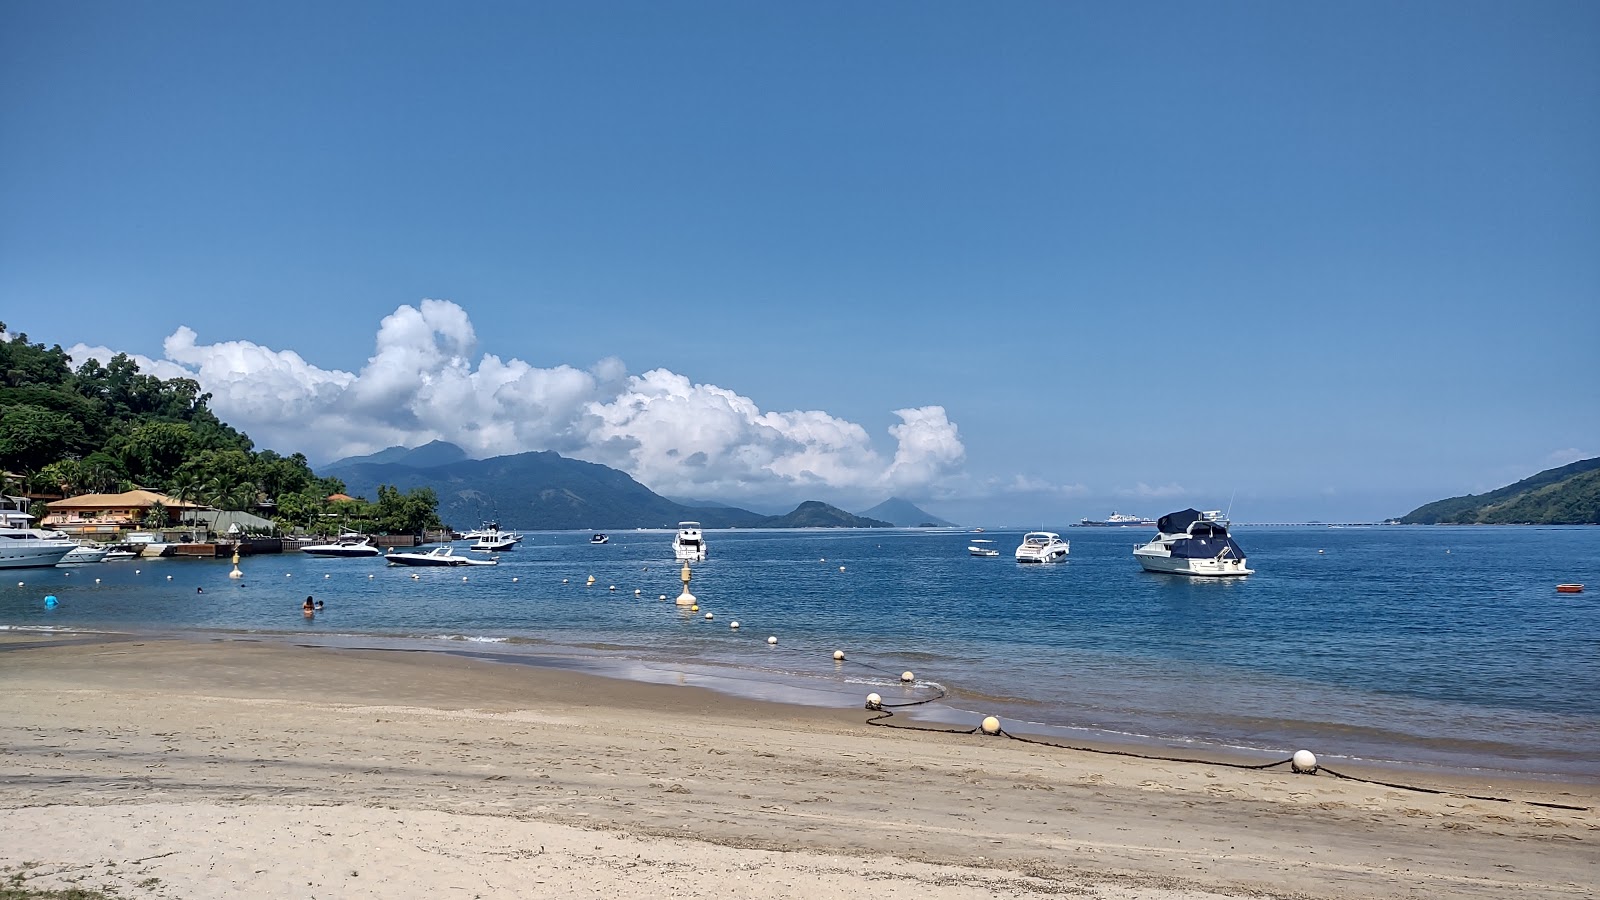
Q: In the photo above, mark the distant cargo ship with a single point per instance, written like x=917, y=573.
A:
x=1118, y=520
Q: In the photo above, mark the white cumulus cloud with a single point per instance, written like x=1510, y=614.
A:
x=426, y=381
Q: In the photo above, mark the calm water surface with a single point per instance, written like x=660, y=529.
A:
x=1422, y=646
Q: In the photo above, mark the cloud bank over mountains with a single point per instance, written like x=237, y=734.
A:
x=426, y=382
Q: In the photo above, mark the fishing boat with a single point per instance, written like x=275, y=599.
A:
x=1192, y=542
x=495, y=541
x=438, y=556
x=598, y=539
x=1042, y=547
x=975, y=550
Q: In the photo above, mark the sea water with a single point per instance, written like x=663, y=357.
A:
x=1445, y=647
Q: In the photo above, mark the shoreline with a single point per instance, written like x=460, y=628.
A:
x=764, y=686
x=122, y=749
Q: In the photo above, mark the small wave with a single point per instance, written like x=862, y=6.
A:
x=471, y=638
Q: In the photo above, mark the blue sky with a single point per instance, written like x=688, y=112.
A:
x=1329, y=261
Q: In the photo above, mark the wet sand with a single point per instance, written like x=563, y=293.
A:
x=170, y=768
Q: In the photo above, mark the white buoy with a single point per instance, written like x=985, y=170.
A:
x=708, y=617
x=838, y=654
x=773, y=639
x=907, y=677
x=1304, y=762
x=97, y=581
x=135, y=571
x=288, y=575
x=662, y=597
x=169, y=576
x=734, y=625
x=513, y=581
x=463, y=578
x=841, y=568
x=637, y=592
x=1321, y=551
x=613, y=587
x=990, y=725
x=20, y=584
x=874, y=701
x=415, y=576
x=324, y=576
x=563, y=581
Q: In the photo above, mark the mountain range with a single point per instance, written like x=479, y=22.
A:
x=543, y=490
x=1566, y=495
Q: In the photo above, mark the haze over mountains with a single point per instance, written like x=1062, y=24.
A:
x=544, y=490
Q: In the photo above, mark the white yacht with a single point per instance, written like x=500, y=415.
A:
x=1042, y=547
x=438, y=556
x=348, y=544
x=86, y=552
x=977, y=548
x=22, y=547
x=1192, y=542
x=689, y=545
x=494, y=540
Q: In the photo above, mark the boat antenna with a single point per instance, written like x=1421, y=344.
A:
x=1229, y=514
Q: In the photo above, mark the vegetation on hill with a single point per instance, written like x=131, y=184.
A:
x=110, y=428
x=1567, y=495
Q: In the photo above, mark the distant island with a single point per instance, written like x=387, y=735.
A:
x=1567, y=495
x=546, y=491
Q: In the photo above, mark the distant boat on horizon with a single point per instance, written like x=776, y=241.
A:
x=1117, y=520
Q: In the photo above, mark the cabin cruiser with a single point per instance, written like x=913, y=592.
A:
x=598, y=539
x=347, y=545
x=1042, y=547
x=689, y=545
x=494, y=540
x=976, y=548
x=1192, y=542
x=85, y=553
x=438, y=556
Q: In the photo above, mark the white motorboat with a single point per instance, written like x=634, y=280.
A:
x=346, y=545
x=494, y=540
x=598, y=539
x=25, y=548
x=689, y=544
x=85, y=553
x=148, y=543
x=438, y=556
x=1192, y=542
x=1042, y=547
x=975, y=550
x=120, y=552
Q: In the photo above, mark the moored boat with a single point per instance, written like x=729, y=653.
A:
x=85, y=553
x=598, y=539
x=26, y=548
x=1192, y=542
x=438, y=556
x=689, y=544
x=347, y=545
x=974, y=549
x=1042, y=547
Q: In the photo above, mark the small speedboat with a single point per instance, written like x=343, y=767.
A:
x=1042, y=547
x=1192, y=542
x=347, y=545
x=598, y=539
x=689, y=544
x=976, y=550
x=85, y=553
x=148, y=543
x=438, y=556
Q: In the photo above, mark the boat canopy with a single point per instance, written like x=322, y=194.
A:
x=1178, y=522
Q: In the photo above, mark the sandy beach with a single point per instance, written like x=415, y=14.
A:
x=189, y=769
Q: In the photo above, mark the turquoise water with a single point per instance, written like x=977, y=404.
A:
x=1422, y=646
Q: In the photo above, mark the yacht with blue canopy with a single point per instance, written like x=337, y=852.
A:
x=1192, y=542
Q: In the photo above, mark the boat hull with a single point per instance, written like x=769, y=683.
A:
x=37, y=557
x=1046, y=556
x=342, y=552
x=1202, y=568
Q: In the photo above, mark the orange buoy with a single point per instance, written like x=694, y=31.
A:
x=1569, y=588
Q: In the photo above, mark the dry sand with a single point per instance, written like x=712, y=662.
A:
x=239, y=769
